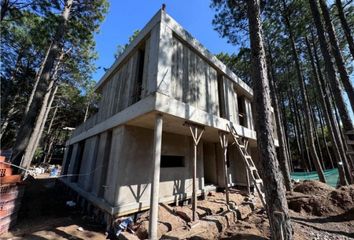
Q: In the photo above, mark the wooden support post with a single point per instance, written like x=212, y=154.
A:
x=224, y=145
x=154, y=195
x=248, y=182
x=196, y=137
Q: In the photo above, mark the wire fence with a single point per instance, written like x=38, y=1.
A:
x=331, y=175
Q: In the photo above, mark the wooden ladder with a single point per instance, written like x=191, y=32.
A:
x=251, y=167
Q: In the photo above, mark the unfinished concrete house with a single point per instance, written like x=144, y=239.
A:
x=162, y=126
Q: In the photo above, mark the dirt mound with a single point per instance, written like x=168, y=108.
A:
x=318, y=199
x=312, y=187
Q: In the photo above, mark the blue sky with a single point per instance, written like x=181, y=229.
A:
x=124, y=17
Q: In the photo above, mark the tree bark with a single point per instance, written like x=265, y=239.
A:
x=283, y=157
x=328, y=114
x=277, y=206
x=301, y=144
x=329, y=66
x=337, y=54
x=345, y=27
x=27, y=126
x=306, y=107
x=38, y=76
x=317, y=142
x=4, y=8
x=42, y=117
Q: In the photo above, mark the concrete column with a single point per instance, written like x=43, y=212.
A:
x=154, y=196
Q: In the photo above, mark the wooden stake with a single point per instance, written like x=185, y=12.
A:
x=224, y=144
x=196, y=137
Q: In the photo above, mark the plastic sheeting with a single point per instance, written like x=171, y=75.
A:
x=331, y=176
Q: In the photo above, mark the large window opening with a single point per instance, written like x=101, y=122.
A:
x=138, y=85
x=221, y=97
x=169, y=161
x=242, y=111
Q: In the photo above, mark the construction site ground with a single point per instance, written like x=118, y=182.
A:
x=317, y=212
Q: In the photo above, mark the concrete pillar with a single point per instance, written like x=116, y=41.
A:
x=154, y=196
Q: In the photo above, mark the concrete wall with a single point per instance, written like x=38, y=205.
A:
x=210, y=163
x=128, y=166
x=137, y=159
x=193, y=80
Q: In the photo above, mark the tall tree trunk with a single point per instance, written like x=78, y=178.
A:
x=345, y=26
x=286, y=137
x=48, y=146
x=86, y=112
x=40, y=132
x=38, y=77
x=6, y=120
x=335, y=86
x=42, y=117
x=52, y=120
x=5, y=7
x=277, y=206
x=300, y=142
x=306, y=107
x=27, y=126
x=337, y=54
x=320, y=116
x=317, y=142
x=333, y=130
x=283, y=157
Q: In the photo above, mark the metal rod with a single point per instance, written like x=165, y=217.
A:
x=154, y=196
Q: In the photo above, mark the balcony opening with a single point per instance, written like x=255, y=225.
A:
x=242, y=116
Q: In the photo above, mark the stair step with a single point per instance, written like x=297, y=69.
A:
x=258, y=181
x=253, y=168
x=350, y=152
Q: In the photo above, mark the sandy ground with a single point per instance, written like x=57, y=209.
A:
x=44, y=215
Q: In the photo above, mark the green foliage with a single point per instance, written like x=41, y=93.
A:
x=240, y=64
x=279, y=19
x=27, y=29
x=121, y=48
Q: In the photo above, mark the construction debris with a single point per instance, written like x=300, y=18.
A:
x=11, y=192
x=318, y=199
